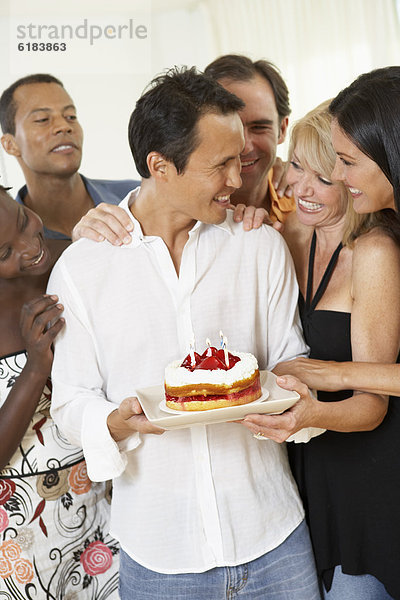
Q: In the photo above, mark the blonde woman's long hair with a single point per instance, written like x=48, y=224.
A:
x=311, y=138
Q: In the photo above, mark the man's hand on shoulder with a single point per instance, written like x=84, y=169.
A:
x=129, y=418
x=105, y=222
x=279, y=182
x=253, y=217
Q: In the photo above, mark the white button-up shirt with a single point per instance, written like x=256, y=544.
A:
x=190, y=499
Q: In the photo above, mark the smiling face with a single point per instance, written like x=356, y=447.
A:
x=319, y=201
x=202, y=192
x=368, y=185
x=262, y=129
x=23, y=251
x=48, y=138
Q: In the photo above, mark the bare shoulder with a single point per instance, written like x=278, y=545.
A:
x=376, y=254
x=376, y=244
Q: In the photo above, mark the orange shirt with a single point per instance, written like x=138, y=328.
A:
x=280, y=207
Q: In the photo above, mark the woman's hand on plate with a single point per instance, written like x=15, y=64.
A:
x=280, y=427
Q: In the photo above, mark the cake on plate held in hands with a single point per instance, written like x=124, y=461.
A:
x=214, y=379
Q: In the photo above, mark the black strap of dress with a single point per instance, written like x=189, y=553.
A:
x=311, y=303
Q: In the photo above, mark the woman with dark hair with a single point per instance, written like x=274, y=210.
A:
x=54, y=540
x=343, y=262
x=366, y=114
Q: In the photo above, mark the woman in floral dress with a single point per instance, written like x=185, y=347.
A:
x=54, y=541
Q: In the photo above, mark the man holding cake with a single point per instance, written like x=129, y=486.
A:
x=204, y=511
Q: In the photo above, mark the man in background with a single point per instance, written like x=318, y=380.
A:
x=41, y=129
x=265, y=118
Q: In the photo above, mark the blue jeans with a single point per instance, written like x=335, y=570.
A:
x=355, y=587
x=285, y=573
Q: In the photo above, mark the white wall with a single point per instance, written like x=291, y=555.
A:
x=319, y=45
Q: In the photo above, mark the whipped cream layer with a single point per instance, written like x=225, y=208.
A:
x=177, y=376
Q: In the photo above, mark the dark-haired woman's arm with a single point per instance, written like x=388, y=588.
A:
x=331, y=376
x=376, y=264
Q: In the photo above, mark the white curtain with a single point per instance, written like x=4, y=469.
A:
x=319, y=45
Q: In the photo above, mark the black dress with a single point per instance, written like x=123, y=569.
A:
x=349, y=482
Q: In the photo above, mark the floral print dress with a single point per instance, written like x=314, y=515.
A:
x=54, y=541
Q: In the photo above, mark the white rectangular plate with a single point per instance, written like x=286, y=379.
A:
x=278, y=401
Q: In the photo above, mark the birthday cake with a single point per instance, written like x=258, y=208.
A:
x=214, y=379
